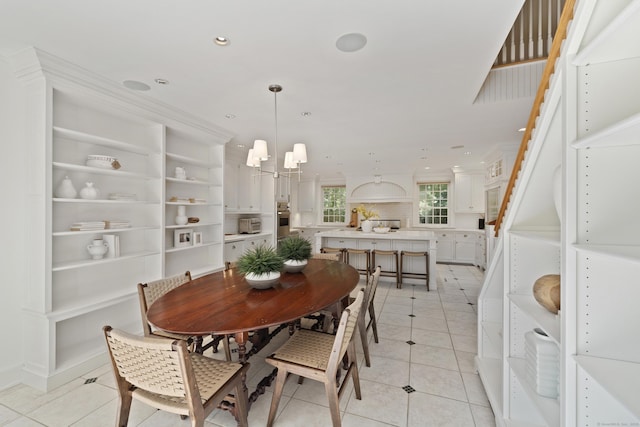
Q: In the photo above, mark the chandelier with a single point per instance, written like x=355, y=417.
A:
x=260, y=153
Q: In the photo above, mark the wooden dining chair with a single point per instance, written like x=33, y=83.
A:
x=334, y=256
x=149, y=292
x=367, y=305
x=162, y=373
x=319, y=356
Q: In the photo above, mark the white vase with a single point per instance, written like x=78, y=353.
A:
x=181, y=218
x=89, y=192
x=367, y=226
x=66, y=190
x=97, y=248
x=542, y=356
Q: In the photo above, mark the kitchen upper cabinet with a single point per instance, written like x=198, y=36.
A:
x=248, y=189
x=469, y=193
x=306, y=196
x=241, y=188
x=230, y=187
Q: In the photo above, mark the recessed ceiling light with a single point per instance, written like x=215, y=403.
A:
x=240, y=145
x=455, y=147
x=162, y=81
x=467, y=153
x=230, y=116
x=135, y=85
x=351, y=42
x=306, y=114
x=221, y=41
x=522, y=129
x=482, y=162
x=427, y=167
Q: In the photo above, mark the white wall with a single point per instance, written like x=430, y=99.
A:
x=13, y=259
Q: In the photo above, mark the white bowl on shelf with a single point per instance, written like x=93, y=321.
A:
x=100, y=161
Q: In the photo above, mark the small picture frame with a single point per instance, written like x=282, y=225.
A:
x=182, y=237
x=197, y=238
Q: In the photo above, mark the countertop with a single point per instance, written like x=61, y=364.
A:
x=392, y=235
x=239, y=237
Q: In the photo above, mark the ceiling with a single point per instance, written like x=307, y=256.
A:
x=398, y=105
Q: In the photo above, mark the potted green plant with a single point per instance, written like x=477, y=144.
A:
x=261, y=266
x=295, y=251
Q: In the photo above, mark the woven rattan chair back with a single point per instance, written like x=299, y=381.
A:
x=149, y=292
x=332, y=256
x=162, y=373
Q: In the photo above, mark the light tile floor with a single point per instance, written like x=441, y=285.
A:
x=438, y=365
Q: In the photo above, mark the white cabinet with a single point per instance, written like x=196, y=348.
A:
x=469, y=193
x=590, y=126
x=233, y=250
x=68, y=295
x=242, y=185
x=445, y=245
x=248, y=189
x=465, y=247
x=309, y=234
x=306, y=196
x=481, y=251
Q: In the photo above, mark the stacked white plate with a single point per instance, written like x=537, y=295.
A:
x=100, y=161
x=542, y=357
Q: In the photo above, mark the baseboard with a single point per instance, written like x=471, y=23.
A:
x=10, y=377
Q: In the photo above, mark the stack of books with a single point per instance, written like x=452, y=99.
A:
x=88, y=225
x=113, y=241
x=123, y=196
x=117, y=223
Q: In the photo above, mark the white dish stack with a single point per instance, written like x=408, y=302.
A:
x=542, y=356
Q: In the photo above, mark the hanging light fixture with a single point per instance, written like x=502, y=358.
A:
x=259, y=152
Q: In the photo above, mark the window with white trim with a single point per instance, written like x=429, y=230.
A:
x=334, y=204
x=433, y=203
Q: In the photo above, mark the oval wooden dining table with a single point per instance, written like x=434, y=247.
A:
x=223, y=303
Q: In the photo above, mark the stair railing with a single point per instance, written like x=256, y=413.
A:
x=554, y=53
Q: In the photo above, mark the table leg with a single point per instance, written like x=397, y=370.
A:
x=241, y=340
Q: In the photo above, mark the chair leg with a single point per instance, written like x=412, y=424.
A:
x=374, y=324
x=365, y=345
x=124, y=407
x=355, y=375
x=242, y=405
x=277, y=394
x=334, y=403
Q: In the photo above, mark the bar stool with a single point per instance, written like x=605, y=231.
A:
x=339, y=251
x=388, y=273
x=424, y=275
x=367, y=256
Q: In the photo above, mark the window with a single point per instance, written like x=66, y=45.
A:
x=433, y=205
x=333, y=204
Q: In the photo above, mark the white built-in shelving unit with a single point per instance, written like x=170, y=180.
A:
x=590, y=126
x=68, y=295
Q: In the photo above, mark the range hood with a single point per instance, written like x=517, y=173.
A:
x=379, y=189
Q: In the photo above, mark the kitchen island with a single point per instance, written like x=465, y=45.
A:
x=400, y=240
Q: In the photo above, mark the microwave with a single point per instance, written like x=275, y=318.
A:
x=249, y=225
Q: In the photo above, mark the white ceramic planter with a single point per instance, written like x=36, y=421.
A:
x=262, y=281
x=293, y=266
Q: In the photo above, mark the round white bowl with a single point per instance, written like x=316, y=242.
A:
x=381, y=229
